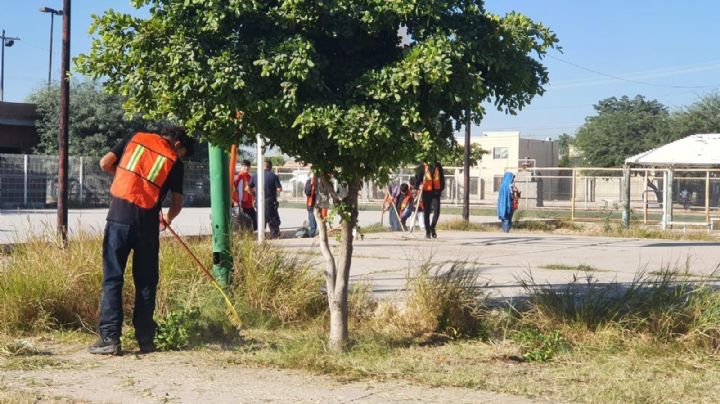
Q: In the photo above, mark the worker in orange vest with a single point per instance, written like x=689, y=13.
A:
x=431, y=180
x=243, y=195
x=311, y=191
x=145, y=167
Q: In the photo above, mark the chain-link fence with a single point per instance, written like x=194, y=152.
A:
x=30, y=181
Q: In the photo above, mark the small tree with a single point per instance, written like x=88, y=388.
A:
x=97, y=119
x=327, y=82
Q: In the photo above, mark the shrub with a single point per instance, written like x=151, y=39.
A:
x=444, y=299
x=178, y=330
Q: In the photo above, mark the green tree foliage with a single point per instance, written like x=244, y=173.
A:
x=326, y=81
x=622, y=127
x=703, y=116
x=96, y=119
x=565, y=143
x=455, y=155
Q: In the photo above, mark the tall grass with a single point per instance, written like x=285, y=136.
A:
x=44, y=287
x=658, y=306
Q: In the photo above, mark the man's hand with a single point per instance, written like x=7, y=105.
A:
x=165, y=221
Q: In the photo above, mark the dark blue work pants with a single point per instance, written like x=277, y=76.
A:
x=119, y=240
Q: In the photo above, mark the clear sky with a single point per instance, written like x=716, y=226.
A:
x=667, y=50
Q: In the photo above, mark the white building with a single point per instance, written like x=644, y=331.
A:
x=509, y=151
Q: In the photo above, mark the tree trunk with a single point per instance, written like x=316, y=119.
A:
x=337, y=275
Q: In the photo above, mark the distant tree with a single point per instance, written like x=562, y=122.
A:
x=565, y=143
x=97, y=119
x=328, y=82
x=703, y=116
x=622, y=127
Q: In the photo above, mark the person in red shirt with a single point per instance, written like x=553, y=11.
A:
x=243, y=194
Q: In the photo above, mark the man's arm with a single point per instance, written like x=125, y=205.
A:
x=107, y=163
x=175, y=207
x=277, y=184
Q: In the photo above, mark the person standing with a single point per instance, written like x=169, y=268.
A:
x=243, y=195
x=432, y=180
x=272, y=188
x=311, y=191
x=508, y=201
x=145, y=167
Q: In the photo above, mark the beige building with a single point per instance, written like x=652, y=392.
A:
x=510, y=151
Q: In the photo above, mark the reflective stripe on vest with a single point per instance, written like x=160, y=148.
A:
x=431, y=181
x=143, y=170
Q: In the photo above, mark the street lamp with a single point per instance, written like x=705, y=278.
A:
x=6, y=42
x=52, y=13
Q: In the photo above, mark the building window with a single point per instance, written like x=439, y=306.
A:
x=500, y=153
x=497, y=181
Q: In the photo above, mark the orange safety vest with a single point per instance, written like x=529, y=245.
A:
x=431, y=181
x=312, y=192
x=143, y=170
x=405, y=201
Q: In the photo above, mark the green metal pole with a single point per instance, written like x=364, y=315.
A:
x=220, y=207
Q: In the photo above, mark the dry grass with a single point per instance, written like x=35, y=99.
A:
x=658, y=334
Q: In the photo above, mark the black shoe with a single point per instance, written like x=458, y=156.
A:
x=146, y=348
x=106, y=346
x=434, y=235
x=427, y=235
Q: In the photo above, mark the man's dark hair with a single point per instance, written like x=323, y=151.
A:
x=180, y=134
x=268, y=164
x=246, y=163
x=404, y=188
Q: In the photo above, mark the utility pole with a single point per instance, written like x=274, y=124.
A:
x=52, y=13
x=466, y=170
x=63, y=135
x=6, y=41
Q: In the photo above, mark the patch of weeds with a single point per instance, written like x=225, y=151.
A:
x=373, y=228
x=565, y=267
x=462, y=225
x=36, y=362
x=178, y=330
x=538, y=346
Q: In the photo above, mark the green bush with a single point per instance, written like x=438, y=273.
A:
x=179, y=330
x=540, y=347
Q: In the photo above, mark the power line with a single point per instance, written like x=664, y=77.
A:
x=620, y=78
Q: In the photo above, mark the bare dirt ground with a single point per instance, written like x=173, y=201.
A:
x=67, y=373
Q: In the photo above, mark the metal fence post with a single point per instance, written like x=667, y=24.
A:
x=25, y=180
x=572, y=197
x=81, y=177
x=707, y=197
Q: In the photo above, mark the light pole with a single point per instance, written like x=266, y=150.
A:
x=62, y=208
x=52, y=13
x=6, y=41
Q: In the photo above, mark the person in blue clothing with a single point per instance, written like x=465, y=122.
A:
x=272, y=188
x=508, y=199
